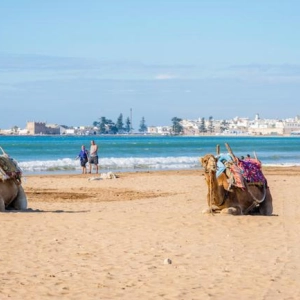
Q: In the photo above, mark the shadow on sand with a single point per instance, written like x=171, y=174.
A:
x=57, y=211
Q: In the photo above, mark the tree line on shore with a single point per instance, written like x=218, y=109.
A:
x=107, y=126
x=203, y=127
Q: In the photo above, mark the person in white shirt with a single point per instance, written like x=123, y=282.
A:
x=93, y=158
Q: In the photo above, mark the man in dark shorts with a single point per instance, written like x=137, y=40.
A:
x=93, y=159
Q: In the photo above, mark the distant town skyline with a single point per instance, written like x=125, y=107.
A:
x=201, y=126
x=169, y=123
x=75, y=62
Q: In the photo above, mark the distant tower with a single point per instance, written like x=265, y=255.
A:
x=257, y=117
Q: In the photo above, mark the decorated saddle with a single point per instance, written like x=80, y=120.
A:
x=251, y=170
x=240, y=171
x=9, y=168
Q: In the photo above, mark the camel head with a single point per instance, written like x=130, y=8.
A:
x=209, y=163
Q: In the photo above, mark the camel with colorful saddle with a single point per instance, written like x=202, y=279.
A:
x=235, y=186
x=12, y=195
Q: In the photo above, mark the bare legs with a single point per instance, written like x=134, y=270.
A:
x=96, y=167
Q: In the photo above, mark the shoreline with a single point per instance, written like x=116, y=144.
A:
x=265, y=168
x=154, y=135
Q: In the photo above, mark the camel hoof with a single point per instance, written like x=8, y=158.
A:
x=213, y=210
x=215, y=207
x=207, y=211
x=229, y=211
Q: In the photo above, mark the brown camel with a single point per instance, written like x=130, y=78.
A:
x=12, y=195
x=226, y=198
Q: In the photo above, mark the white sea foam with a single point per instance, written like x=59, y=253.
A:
x=113, y=163
x=283, y=165
x=49, y=165
x=123, y=164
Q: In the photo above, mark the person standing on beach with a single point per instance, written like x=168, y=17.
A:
x=83, y=156
x=93, y=159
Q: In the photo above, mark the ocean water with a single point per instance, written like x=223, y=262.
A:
x=56, y=154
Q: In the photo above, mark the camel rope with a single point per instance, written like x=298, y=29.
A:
x=263, y=198
x=256, y=201
x=210, y=192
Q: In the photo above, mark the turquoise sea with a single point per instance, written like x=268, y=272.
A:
x=56, y=154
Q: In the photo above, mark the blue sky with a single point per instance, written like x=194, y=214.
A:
x=72, y=62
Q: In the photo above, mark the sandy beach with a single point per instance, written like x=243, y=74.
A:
x=110, y=238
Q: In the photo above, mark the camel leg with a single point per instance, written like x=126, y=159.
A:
x=266, y=208
x=2, y=205
x=20, y=203
x=213, y=209
x=230, y=211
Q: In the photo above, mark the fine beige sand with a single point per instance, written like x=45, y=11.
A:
x=109, y=239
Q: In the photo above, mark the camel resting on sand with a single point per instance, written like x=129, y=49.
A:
x=225, y=195
x=12, y=195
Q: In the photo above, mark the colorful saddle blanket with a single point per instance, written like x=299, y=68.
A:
x=241, y=170
x=251, y=170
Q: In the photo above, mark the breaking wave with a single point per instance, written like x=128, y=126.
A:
x=69, y=165
x=113, y=164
